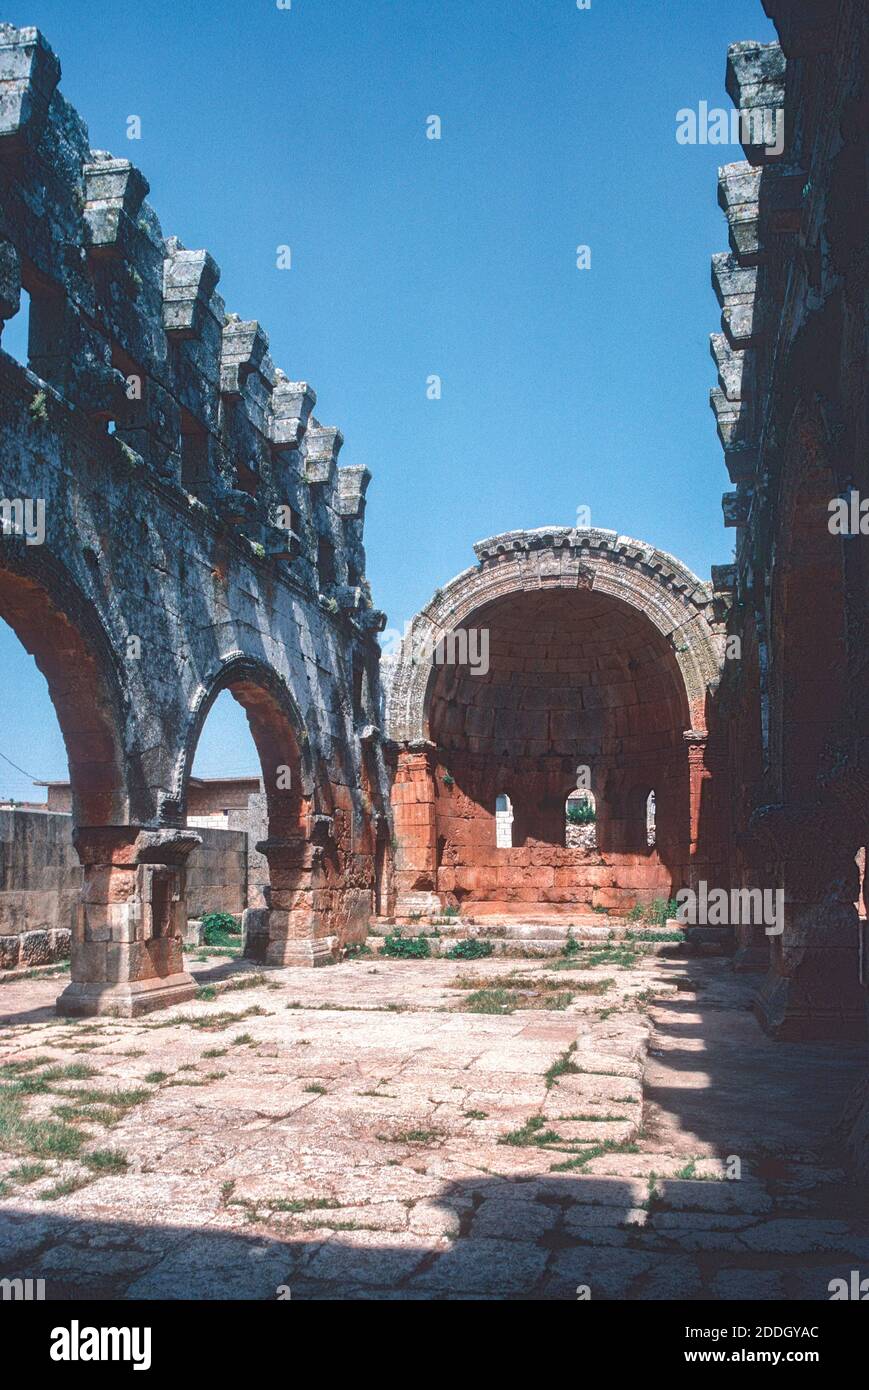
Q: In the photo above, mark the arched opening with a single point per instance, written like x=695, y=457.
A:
x=574, y=678
x=651, y=820
x=503, y=821
x=226, y=874
x=580, y=820
x=36, y=841
x=59, y=627
x=53, y=622
x=282, y=823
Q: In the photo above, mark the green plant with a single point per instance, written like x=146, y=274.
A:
x=656, y=935
x=470, y=950
x=411, y=1136
x=220, y=921
x=607, y=1146
x=571, y=947
x=581, y=813
x=532, y=1132
x=661, y=909
x=38, y=408
x=105, y=1161
x=406, y=947
x=490, y=1001
x=221, y=929
x=63, y=1189
x=451, y=911
x=448, y=780
x=562, y=1066
x=357, y=950
x=28, y=1172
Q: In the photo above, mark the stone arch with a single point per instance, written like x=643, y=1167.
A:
x=61, y=629
x=664, y=628
x=276, y=725
x=300, y=843
x=674, y=600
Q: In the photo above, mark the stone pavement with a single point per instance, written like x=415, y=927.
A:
x=364, y=1132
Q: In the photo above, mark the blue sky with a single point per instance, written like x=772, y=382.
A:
x=456, y=258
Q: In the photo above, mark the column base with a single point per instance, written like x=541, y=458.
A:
x=127, y=1000
x=301, y=952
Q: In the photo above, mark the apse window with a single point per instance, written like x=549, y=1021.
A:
x=503, y=822
x=580, y=821
x=651, y=830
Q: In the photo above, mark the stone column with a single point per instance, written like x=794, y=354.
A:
x=813, y=987
x=700, y=864
x=299, y=921
x=415, y=820
x=707, y=773
x=127, y=940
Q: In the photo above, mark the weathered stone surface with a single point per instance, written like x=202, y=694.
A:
x=595, y=645
x=284, y=1137
x=794, y=279
x=211, y=542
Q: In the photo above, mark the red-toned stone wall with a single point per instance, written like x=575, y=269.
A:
x=576, y=680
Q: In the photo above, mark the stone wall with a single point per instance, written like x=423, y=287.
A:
x=791, y=408
x=191, y=531
x=601, y=654
x=40, y=877
x=792, y=417
x=217, y=873
x=254, y=821
x=40, y=881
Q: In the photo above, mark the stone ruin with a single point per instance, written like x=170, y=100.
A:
x=206, y=517
x=199, y=535
x=602, y=652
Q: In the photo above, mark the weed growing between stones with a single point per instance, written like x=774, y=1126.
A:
x=406, y=947
x=471, y=949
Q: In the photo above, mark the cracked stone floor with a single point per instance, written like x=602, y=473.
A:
x=363, y=1131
